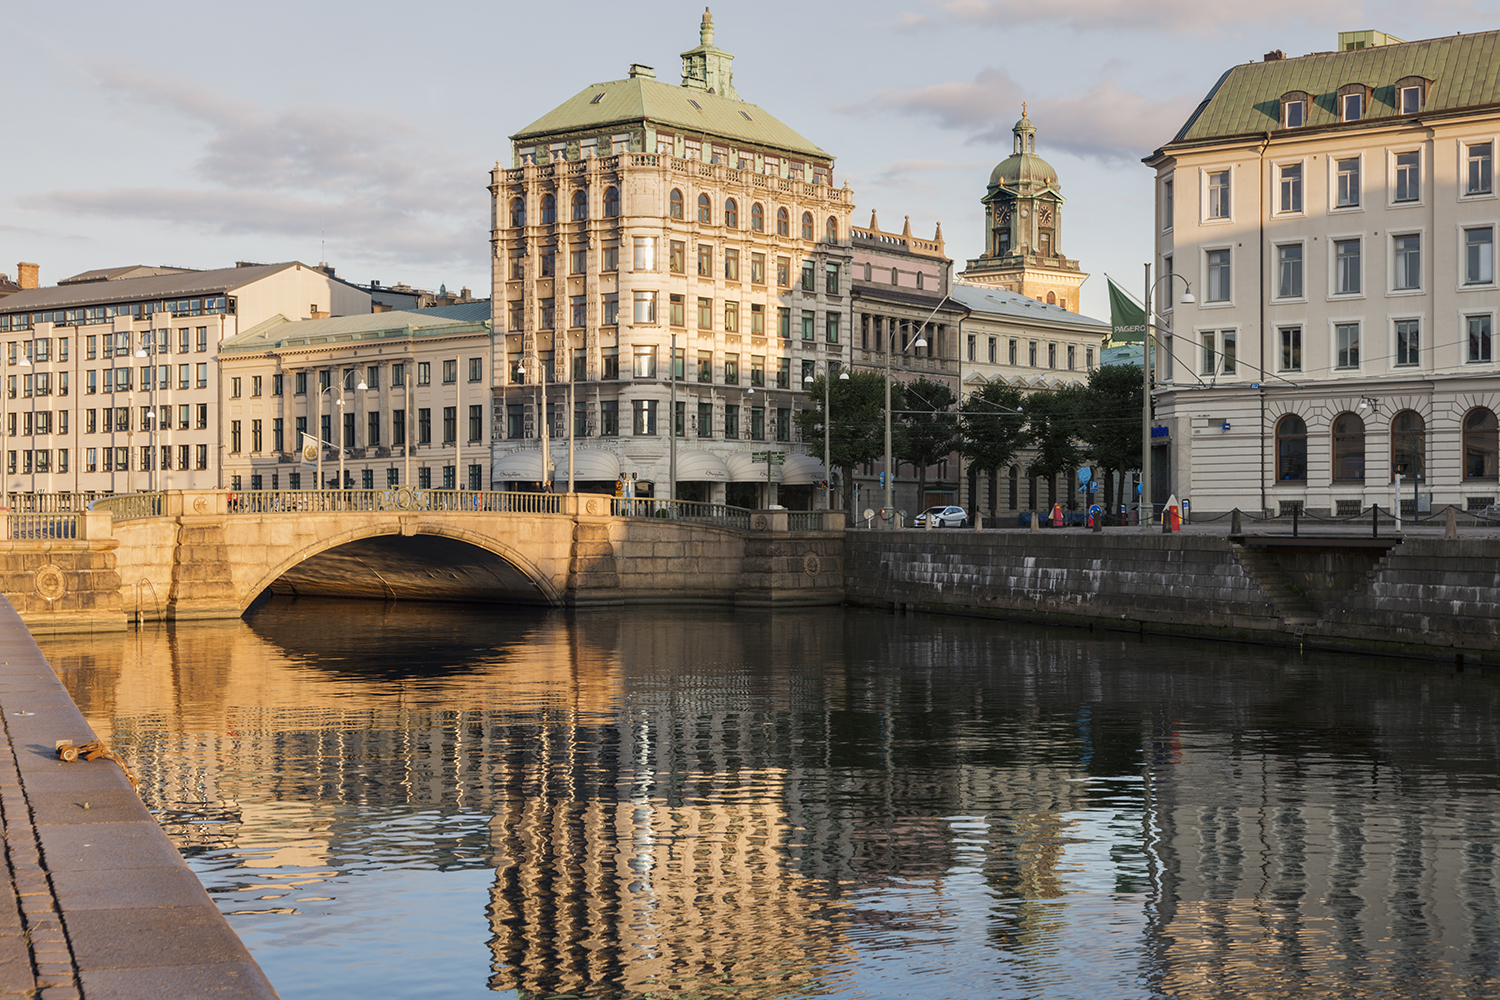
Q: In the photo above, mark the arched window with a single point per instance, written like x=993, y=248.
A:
x=867, y=270
x=832, y=230
x=611, y=203
x=1015, y=487
x=705, y=209
x=1348, y=448
x=1408, y=445
x=518, y=211
x=674, y=204
x=1291, y=449
x=1481, y=444
x=1052, y=298
x=807, y=226
x=731, y=213
x=895, y=277
x=549, y=210
x=783, y=223
x=580, y=206
x=919, y=279
x=758, y=218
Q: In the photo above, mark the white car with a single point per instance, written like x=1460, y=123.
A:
x=943, y=517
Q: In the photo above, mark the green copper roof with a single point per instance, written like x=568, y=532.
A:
x=1464, y=70
x=639, y=99
x=278, y=332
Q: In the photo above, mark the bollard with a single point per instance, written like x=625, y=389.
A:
x=1098, y=521
x=1035, y=525
x=1374, y=520
x=1235, y=526
x=1166, y=522
x=1296, y=513
x=1450, y=522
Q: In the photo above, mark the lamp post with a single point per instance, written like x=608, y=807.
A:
x=546, y=428
x=25, y=362
x=671, y=423
x=1187, y=300
x=919, y=342
x=828, y=423
x=339, y=432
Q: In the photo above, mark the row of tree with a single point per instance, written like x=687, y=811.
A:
x=1097, y=423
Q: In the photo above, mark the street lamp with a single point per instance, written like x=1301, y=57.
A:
x=546, y=432
x=919, y=343
x=339, y=433
x=827, y=423
x=1187, y=300
x=25, y=362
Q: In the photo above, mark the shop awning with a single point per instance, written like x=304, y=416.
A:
x=518, y=466
x=589, y=465
x=801, y=470
x=694, y=465
x=744, y=469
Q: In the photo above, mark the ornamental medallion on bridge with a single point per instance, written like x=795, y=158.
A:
x=50, y=583
x=811, y=564
x=404, y=498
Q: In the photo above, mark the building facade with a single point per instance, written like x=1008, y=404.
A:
x=1336, y=217
x=111, y=377
x=672, y=260
x=395, y=398
x=1023, y=210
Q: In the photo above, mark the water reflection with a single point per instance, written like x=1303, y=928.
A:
x=397, y=801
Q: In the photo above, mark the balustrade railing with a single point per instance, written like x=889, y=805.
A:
x=37, y=527
x=682, y=510
x=805, y=520
x=128, y=506
x=395, y=498
x=48, y=503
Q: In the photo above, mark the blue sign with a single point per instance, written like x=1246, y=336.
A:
x=1160, y=431
x=1094, y=486
x=1085, y=474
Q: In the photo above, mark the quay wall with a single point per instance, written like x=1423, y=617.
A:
x=1423, y=596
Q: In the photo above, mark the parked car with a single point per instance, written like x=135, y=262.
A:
x=943, y=517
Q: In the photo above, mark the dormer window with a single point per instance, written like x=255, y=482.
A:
x=1411, y=95
x=1293, y=110
x=1353, y=102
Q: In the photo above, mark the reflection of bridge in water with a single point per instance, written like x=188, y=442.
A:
x=201, y=554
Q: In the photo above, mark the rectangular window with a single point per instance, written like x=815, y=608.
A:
x=1408, y=254
x=705, y=261
x=705, y=314
x=677, y=257
x=609, y=361
x=757, y=320
x=757, y=370
x=1346, y=345
x=610, y=258
x=645, y=307
x=450, y=424
x=1479, y=339
x=644, y=411
x=256, y=383
x=578, y=261
x=1346, y=278
x=831, y=328
x=203, y=346
x=578, y=310
x=476, y=371
x=424, y=373
x=1479, y=256
x=548, y=318
x=1408, y=342
x=645, y=253
x=994, y=348
x=705, y=366
x=611, y=309
x=831, y=278
x=1218, y=276
x=476, y=423
x=1478, y=158
x=1210, y=356
x=1229, y=345
x=784, y=272
x=973, y=348
x=1218, y=194
x=679, y=362
x=677, y=308
x=398, y=429
x=731, y=421
x=1409, y=176
x=1014, y=346
x=1166, y=204
x=424, y=426
x=450, y=371
x=757, y=269
x=517, y=316
x=202, y=423
x=234, y=388
x=1289, y=271
x=645, y=361
x=758, y=423
x=1072, y=357
x=1411, y=100
x=731, y=317
x=1291, y=187
x=731, y=369
x=809, y=276
x=1295, y=113
x=1353, y=106
x=731, y=265
x=705, y=420
x=784, y=322
x=234, y=437
x=1031, y=353
x=1346, y=178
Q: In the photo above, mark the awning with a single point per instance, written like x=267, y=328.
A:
x=589, y=465
x=518, y=466
x=694, y=465
x=744, y=469
x=801, y=470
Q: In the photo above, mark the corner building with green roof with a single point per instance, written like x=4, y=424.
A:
x=1335, y=215
x=637, y=215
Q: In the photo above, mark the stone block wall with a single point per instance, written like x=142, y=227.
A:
x=791, y=570
x=1429, y=592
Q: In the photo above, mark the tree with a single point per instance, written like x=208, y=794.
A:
x=857, y=427
x=929, y=430
x=1111, y=420
x=1053, y=422
x=994, y=426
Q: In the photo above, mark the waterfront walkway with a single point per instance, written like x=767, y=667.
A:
x=104, y=907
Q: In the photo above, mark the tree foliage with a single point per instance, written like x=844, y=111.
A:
x=994, y=426
x=1054, y=422
x=857, y=425
x=929, y=428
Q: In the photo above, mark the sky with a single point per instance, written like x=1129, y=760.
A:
x=198, y=135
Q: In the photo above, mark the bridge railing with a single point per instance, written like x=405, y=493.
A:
x=128, y=506
x=396, y=498
x=39, y=527
x=811, y=520
x=682, y=510
x=48, y=503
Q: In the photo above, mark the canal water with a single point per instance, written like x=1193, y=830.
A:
x=410, y=801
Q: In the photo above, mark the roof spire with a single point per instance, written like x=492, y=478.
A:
x=709, y=67
x=706, y=30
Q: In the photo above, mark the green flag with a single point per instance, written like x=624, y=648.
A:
x=1127, y=319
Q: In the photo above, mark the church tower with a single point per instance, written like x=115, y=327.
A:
x=1023, y=228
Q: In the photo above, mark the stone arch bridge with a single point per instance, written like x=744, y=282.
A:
x=183, y=555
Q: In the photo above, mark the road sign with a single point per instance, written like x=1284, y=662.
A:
x=770, y=457
x=1085, y=474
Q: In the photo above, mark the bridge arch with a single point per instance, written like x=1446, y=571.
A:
x=547, y=589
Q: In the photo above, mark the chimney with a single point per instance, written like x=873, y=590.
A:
x=1275, y=55
x=27, y=275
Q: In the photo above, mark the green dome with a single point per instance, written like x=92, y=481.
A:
x=1023, y=169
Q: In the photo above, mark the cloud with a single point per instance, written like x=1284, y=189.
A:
x=909, y=23
x=1177, y=17
x=296, y=172
x=1106, y=121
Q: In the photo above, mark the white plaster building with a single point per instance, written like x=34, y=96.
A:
x=1336, y=215
x=112, y=376
x=638, y=215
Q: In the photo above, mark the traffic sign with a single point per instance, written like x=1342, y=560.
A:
x=771, y=457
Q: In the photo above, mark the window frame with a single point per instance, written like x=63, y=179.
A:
x=1301, y=295
x=1281, y=435
x=1397, y=350
x=1335, y=330
x=1206, y=191
x=1335, y=243
x=1487, y=353
x=1358, y=205
x=1489, y=470
x=1282, y=330
x=1395, y=258
x=1464, y=228
x=1393, y=171
x=1338, y=456
x=1224, y=303
x=1464, y=145
x=1278, y=188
